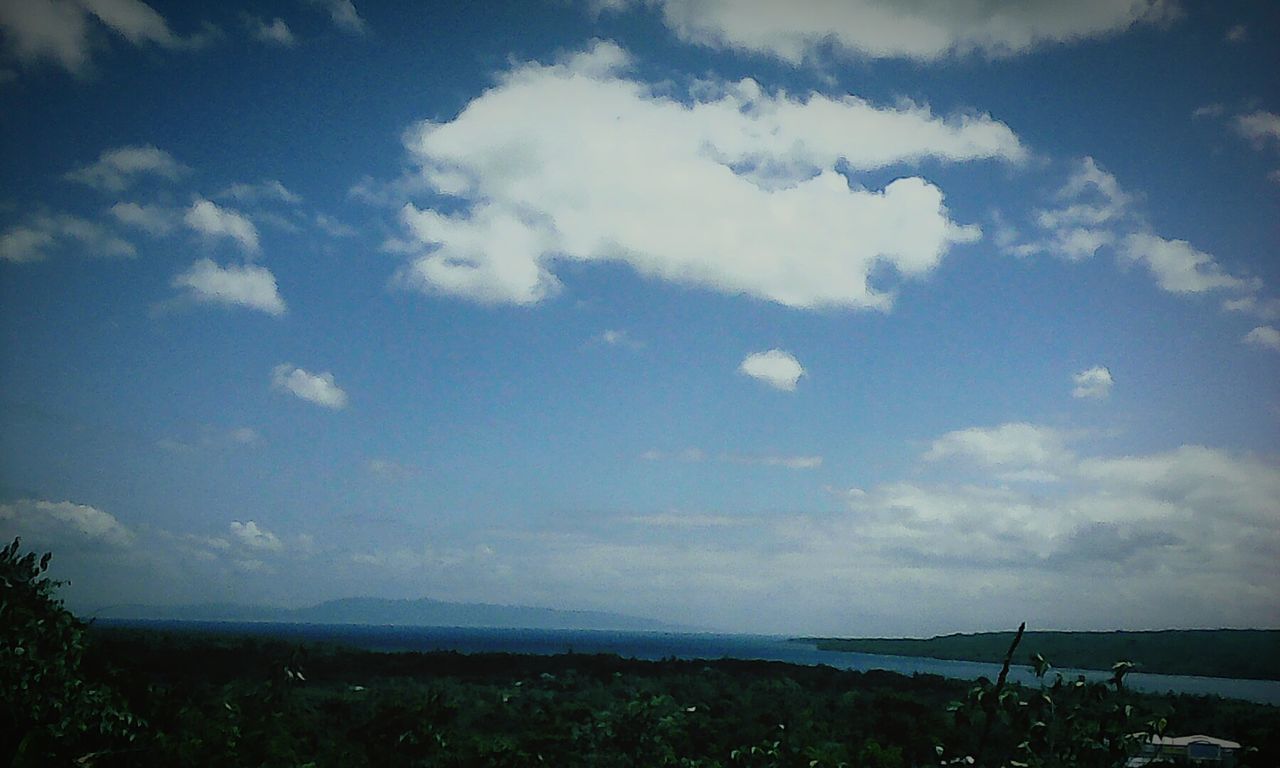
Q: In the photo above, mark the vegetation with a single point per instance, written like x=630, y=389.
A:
x=174, y=698
x=1251, y=654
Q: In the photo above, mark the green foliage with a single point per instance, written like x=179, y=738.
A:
x=1074, y=723
x=227, y=701
x=50, y=712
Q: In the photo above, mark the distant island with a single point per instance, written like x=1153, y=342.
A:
x=386, y=612
x=1250, y=654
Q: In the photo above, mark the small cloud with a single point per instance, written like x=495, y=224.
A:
x=776, y=368
x=678, y=520
x=155, y=220
x=268, y=190
x=1012, y=445
x=334, y=228
x=617, y=338
x=1236, y=34
x=789, y=462
x=275, y=33
x=254, y=537
x=1028, y=476
x=21, y=243
x=1260, y=127
x=62, y=32
x=1274, y=176
x=31, y=241
x=245, y=286
x=213, y=221
x=1093, y=383
x=118, y=168
x=244, y=435
x=1265, y=309
x=343, y=14
x=389, y=470
x=1264, y=336
x=1208, y=110
x=318, y=388
x=1177, y=266
x=690, y=455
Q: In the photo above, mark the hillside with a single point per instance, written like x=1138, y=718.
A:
x=1252, y=654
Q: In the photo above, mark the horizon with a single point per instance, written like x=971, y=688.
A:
x=856, y=320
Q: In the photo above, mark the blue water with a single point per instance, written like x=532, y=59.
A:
x=663, y=645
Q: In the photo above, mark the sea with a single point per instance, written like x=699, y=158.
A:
x=680, y=645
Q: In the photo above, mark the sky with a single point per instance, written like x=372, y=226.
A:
x=858, y=318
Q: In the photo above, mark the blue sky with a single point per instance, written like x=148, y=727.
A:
x=863, y=318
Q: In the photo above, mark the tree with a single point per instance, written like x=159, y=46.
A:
x=49, y=712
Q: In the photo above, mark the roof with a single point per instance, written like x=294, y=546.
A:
x=1182, y=741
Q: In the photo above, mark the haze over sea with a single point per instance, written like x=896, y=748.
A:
x=680, y=645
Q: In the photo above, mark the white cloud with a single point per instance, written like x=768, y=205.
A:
x=1259, y=127
x=1236, y=34
x=254, y=537
x=318, y=388
x=57, y=522
x=33, y=240
x=266, y=190
x=789, y=462
x=212, y=220
x=333, y=227
x=1011, y=445
x=1263, y=308
x=276, y=33
x=246, y=286
x=614, y=337
x=1090, y=203
x=1264, y=336
x=759, y=208
x=244, y=435
x=23, y=243
x=690, y=455
x=923, y=31
x=58, y=30
x=1092, y=383
x=155, y=220
x=96, y=239
x=116, y=169
x=776, y=368
x=1177, y=266
x=343, y=14
x=1181, y=537
x=680, y=520
x=390, y=470
x=1208, y=110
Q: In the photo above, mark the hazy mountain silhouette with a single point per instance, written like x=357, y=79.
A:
x=380, y=611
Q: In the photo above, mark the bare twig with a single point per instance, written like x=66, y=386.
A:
x=993, y=697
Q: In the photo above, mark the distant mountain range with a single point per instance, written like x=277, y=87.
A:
x=379, y=611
